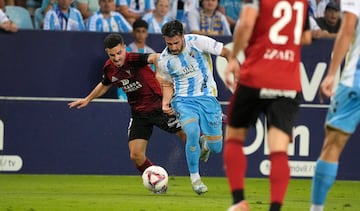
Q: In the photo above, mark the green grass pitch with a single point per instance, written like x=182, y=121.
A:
x=95, y=192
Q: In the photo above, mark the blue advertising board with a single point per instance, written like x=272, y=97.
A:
x=42, y=71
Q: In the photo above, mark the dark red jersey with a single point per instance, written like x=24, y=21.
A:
x=274, y=50
x=137, y=80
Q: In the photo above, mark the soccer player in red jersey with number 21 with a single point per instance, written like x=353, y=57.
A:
x=271, y=33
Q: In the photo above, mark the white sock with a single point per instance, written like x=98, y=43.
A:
x=206, y=148
x=317, y=207
x=194, y=177
x=205, y=144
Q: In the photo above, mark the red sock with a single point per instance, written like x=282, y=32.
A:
x=143, y=166
x=279, y=176
x=235, y=163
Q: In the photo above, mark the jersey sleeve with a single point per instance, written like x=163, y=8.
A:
x=138, y=59
x=105, y=79
x=352, y=6
x=207, y=44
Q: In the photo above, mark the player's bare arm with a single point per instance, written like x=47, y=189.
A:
x=342, y=43
x=98, y=91
x=167, y=89
x=242, y=34
x=306, y=36
x=232, y=73
x=244, y=29
x=153, y=58
x=226, y=53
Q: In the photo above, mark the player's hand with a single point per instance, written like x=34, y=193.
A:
x=232, y=74
x=326, y=87
x=78, y=103
x=167, y=109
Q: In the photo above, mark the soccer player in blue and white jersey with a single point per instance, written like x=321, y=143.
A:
x=107, y=19
x=344, y=113
x=64, y=17
x=189, y=89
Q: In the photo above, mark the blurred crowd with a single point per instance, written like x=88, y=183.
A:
x=325, y=18
x=210, y=17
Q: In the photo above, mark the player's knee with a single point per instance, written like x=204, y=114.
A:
x=215, y=145
x=136, y=156
x=192, y=132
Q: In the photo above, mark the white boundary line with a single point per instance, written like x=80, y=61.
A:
x=301, y=105
x=104, y=100
x=56, y=99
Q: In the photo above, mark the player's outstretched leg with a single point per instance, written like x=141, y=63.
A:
x=279, y=179
x=192, y=152
x=324, y=178
x=235, y=163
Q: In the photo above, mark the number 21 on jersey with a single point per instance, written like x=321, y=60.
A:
x=284, y=11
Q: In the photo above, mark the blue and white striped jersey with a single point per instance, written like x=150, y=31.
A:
x=137, y=6
x=191, y=71
x=56, y=20
x=154, y=26
x=116, y=23
x=351, y=71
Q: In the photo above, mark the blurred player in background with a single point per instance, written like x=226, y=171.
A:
x=270, y=33
x=344, y=112
x=131, y=72
x=189, y=88
x=139, y=45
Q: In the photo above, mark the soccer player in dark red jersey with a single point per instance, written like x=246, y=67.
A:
x=131, y=72
x=271, y=33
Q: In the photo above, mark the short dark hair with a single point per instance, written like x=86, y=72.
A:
x=201, y=4
x=333, y=5
x=172, y=28
x=140, y=23
x=113, y=40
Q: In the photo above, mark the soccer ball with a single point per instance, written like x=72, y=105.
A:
x=155, y=179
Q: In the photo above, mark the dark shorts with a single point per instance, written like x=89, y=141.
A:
x=279, y=107
x=141, y=124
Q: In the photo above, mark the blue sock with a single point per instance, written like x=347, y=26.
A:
x=192, y=146
x=324, y=178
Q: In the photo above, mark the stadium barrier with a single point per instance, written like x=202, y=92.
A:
x=41, y=71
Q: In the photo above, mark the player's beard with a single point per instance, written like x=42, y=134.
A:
x=175, y=52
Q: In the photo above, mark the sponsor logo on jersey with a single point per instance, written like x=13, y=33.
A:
x=274, y=93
